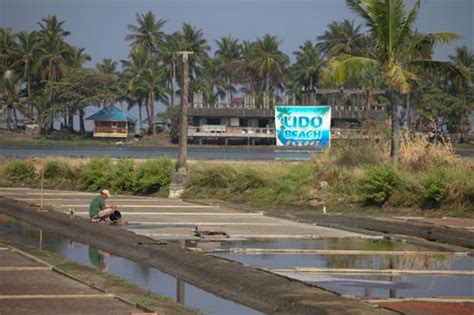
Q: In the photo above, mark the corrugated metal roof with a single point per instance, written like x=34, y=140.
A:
x=111, y=113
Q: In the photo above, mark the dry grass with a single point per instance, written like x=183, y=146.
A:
x=417, y=154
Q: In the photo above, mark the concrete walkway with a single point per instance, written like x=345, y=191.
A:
x=28, y=286
x=162, y=218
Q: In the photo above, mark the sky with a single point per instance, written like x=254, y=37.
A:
x=100, y=26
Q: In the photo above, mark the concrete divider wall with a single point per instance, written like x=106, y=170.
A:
x=255, y=288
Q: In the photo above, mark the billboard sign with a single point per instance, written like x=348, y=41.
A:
x=303, y=125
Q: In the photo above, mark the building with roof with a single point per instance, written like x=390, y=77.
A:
x=111, y=122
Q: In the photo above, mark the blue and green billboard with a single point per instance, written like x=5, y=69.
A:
x=303, y=125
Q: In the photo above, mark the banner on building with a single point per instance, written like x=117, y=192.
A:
x=303, y=125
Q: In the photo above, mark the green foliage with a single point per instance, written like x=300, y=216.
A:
x=378, y=184
x=96, y=175
x=434, y=187
x=153, y=175
x=20, y=172
x=123, y=176
x=54, y=169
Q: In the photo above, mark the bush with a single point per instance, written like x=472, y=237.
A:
x=434, y=187
x=153, y=175
x=20, y=172
x=123, y=176
x=96, y=175
x=378, y=184
x=54, y=169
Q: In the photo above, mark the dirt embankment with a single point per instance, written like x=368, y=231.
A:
x=255, y=288
x=430, y=232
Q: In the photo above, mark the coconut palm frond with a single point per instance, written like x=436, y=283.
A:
x=401, y=79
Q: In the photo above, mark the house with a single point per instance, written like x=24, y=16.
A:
x=243, y=121
x=111, y=122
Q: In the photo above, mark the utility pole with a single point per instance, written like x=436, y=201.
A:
x=179, y=178
x=183, y=114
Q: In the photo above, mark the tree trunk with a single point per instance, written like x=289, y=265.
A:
x=152, y=128
x=147, y=110
x=408, y=111
x=71, y=122
x=29, y=86
x=394, y=147
x=16, y=118
x=9, y=117
x=173, y=96
x=81, y=122
x=368, y=106
x=267, y=90
x=140, y=116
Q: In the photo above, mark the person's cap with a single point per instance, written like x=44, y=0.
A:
x=105, y=192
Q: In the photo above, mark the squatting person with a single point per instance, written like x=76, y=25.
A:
x=98, y=210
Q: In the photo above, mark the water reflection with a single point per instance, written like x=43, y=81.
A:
x=97, y=258
x=142, y=275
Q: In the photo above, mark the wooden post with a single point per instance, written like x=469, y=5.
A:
x=183, y=130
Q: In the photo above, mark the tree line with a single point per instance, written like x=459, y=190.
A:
x=44, y=78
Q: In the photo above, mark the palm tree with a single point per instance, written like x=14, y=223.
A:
x=308, y=66
x=152, y=85
x=7, y=49
x=76, y=57
x=148, y=34
x=268, y=61
x=396, y=51
x=52, y=28
x=229, y=55
x=134, y=72
x=341, y=38
x=26, y=55
x=193, y=40
x=168, y=54
x=11, y=99
x=464, y=59
x=53, y=52
x=108, y=66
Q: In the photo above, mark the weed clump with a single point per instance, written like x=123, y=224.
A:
x=23, y=172
x=55, y=169
x=378, y=184
x=96, y=175
x=434, y=187
x=123, y=176
x=153, y=176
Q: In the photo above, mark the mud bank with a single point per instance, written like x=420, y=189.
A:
x=430, y=232
x=255, y=288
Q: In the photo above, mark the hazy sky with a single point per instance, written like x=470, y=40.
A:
x=100, y=26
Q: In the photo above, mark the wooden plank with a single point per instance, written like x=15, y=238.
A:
x=179, y=213
x=423, y=299
x=55, y=296
x=263, y=251
x=374, y=271
x=9, y=269
x=209, y=223
x=143, y=206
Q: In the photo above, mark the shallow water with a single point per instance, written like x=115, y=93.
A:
x=380, y=286
x=144, y=276
x=193, y=153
